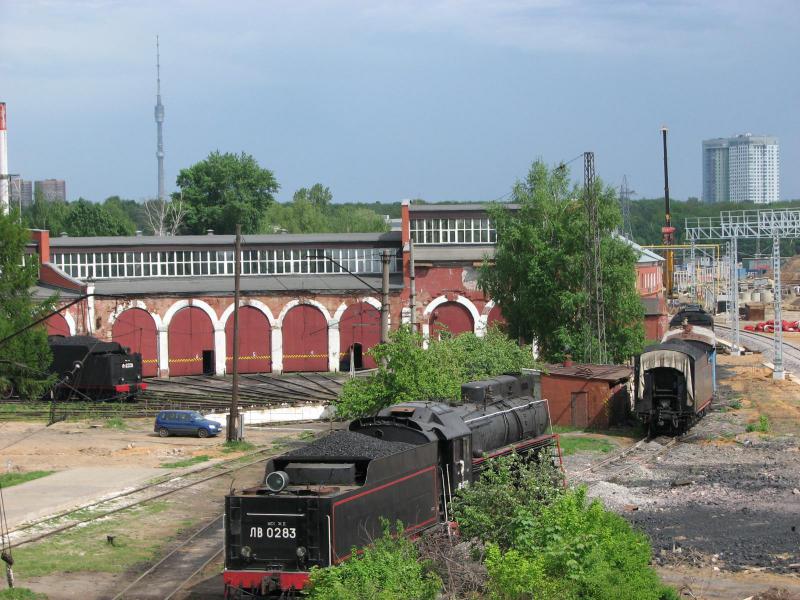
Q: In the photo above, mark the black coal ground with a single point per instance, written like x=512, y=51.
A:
x=346, y=444
x=736, y=503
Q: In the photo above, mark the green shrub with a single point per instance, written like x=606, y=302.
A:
x=19, y=593
x=735, y=404
x=407, y=372
x=509, y=495
x=390, y=569
x=575, y=549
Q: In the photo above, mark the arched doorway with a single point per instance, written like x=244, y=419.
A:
x=57, y=325
x=254, y=342
x=136, y=329
x=305, y=339
x=191, y=343
x=360, y=328
x=496, y=318
x=451, y=316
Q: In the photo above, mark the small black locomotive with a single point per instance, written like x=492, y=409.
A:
x=405, y=463
x=676, y=379
x=88, y=368
x=693, y=314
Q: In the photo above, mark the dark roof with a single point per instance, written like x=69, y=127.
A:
x=452, y=253
x=684, y=347
x=413, y=208
x=279, y=239
x=42, y=292
x=223, y=285
x=610, y=373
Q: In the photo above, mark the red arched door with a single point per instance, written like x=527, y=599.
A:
x=191, y=343
x=305, y=339
x=254, y=342
x=451, y=316
x=496, y=318
x=57, y=325
x=136, y=329
x=359, y=325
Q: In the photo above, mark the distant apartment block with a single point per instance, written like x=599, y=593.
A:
x=52, y=189
x=744, y=168
x=21, y=193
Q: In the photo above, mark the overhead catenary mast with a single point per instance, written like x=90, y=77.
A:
x=159, y=122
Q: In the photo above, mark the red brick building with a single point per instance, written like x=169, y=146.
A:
x=308, y=301
x=593, y=396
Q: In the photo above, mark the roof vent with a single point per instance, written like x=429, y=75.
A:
x=138, y=233
x=63, y=234
x=568, y=360
x=209, y=232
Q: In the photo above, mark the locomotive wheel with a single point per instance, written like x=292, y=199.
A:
x=163, y=432
x=202, y=433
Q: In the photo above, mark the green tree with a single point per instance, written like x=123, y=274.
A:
x=319, y=195
x=539, y=272
x=127, y=210
x=408, y=372
x=25, y=358
x=89, y=219
x=223, y=190
x=46, y=214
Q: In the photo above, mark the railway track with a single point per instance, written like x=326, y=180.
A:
x=764, y=343
x=54, y=524
x=170, y=575
x=640, y=453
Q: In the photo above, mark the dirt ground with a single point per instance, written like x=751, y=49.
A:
x=722, y=506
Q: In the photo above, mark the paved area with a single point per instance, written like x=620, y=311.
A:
x=70, y=489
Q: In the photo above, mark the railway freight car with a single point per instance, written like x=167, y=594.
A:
x=320, y=501
x=675, y=380
x=87, y=367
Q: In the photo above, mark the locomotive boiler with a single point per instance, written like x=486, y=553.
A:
x=319, y=502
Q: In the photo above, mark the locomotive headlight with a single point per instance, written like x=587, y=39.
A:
x=245, y=551
x=277, y=481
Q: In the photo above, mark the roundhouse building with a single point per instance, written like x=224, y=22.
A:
x=308, y=302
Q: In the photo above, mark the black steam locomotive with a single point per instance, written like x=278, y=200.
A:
x=88, y=368
x=676, y=379
x=693, y=314
x=320, y=501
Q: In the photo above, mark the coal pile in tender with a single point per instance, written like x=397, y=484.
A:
x=347, y=444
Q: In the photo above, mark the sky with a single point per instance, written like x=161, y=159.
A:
x=384, y=100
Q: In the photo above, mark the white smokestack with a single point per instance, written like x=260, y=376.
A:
x=3, y=160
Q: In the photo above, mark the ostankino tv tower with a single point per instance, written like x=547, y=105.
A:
x=159, y=122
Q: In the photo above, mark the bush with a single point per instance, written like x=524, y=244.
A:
x=407, y=372
x=762, y=426
x=575, y=549
x=508, y=497
x=390, y=569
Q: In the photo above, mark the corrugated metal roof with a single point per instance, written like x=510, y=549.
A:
x=223, y=285
x=279, y=239
x=610, y=373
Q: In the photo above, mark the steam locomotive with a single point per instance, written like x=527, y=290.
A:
x=319, y=502
x=88, y=368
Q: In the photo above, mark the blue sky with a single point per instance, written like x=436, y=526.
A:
x=383, y=100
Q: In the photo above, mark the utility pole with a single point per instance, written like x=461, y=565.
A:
x=777, y=334
x=233, y=419
x=412, y=277
x=668, y=231
x=595, y=262
x=386, y=257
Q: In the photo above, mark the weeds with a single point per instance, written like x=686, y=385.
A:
x=9, y=479
x=571, y=445
x=762, y=426
x=21, y=594
x=116, y=423
x=187, y=462
x=735, y=404
x=237, y=446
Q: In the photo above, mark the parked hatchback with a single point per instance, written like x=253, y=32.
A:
x=185, y=422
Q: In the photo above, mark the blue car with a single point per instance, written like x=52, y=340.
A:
x=185, y=422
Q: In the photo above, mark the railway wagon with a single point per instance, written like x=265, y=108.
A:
x=694, y=315
x=90, y=368
x=319, y=502
x=674, y=384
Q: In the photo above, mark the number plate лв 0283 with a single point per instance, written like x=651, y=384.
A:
x=275, y=535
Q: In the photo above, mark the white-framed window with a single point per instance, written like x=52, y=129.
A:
x=453, y=231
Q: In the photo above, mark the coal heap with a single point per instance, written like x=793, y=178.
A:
x=348, y=444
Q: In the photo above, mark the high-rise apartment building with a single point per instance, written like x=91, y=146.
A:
x=744, y=168
x=52, y=189
x=21, y=193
